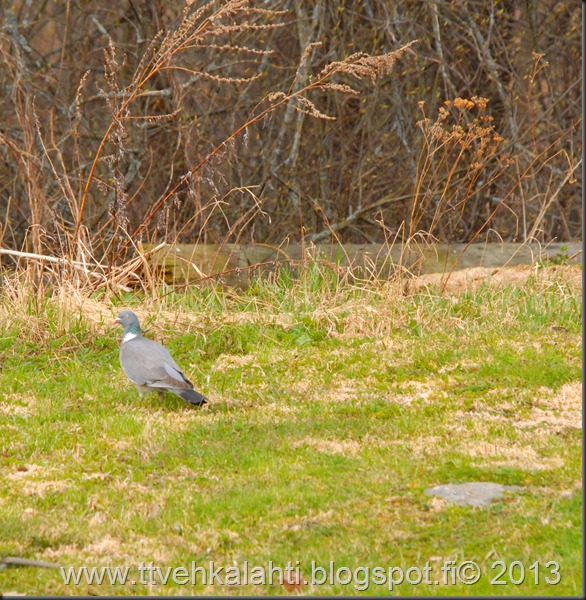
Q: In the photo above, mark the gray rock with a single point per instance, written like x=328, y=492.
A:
x=476, y=493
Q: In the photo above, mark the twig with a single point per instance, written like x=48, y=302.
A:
x=43, y=257
x=552, y=199
x=353, y=217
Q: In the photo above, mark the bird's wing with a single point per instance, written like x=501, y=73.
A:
x=147, y=362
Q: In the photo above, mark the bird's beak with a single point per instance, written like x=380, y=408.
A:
x=116, y=320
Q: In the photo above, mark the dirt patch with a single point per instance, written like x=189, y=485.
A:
x=35, y=487
x=276, y=413
x=557, y=410
x=419, y=392
x=468, y=280
x=343, y=447
x=343, y=390
x=312, y=520
x=231, y=361
x=425, y=446
x=551, y=412
x=8, y=408
x=514, y=455
x=107, y=546
x=109, y=549
x=44, y=488
x=25, y=471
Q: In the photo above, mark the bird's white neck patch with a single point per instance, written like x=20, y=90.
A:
x=128, y=336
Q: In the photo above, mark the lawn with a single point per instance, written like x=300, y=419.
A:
x=333, y=406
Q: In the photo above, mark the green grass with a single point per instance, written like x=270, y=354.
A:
x=332, y=408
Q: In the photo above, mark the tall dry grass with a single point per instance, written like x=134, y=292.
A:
x=223, y=121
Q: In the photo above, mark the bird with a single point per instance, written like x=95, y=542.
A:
x=149, y=365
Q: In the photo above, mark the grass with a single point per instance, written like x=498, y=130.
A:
x=333, y=408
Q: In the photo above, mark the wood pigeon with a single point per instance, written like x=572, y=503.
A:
x=149, y=365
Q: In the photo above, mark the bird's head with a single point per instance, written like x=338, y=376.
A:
x=128, y=320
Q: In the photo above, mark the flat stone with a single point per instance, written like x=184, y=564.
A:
x=475, y=493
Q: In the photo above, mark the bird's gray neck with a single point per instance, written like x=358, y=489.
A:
x=132, y=332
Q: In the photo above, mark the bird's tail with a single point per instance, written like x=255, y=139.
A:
x=191, y=396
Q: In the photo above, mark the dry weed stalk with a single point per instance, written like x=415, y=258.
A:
x=461, y=158
x=196, y=29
